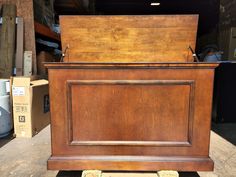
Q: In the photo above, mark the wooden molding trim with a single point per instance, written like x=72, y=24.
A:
x=131, y=65
x=128, y=163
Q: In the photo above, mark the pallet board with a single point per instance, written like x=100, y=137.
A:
x=7, y=41
x=97, y=173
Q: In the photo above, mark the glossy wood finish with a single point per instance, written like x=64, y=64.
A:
x=131, y=116
x=162, y=38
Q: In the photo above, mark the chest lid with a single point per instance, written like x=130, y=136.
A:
x=158, y=38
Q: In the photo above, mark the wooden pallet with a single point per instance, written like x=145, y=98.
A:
x=97, y=173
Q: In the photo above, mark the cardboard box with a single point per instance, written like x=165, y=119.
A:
x=30, y=106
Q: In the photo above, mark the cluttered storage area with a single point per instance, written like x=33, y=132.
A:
x=98, y=88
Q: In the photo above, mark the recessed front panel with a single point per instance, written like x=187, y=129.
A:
x=119, y=108
x=143, y=117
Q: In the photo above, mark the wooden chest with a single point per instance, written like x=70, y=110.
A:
x=116, y=107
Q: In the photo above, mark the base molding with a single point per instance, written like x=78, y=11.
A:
x=130, y=163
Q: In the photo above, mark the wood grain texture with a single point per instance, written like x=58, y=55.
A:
x=120, y=174
x=46, y=31
x=131, y=116
x=25, y=10
x=145, y=95
x=76, y=65
x=163, y=38
x=130, y=163
x=7, y=41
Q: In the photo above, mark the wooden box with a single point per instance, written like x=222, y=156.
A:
x=115, y=105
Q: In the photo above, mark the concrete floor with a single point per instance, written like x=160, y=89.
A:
x=27, y=157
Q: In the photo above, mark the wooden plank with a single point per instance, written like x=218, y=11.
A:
x=7, y=46
x=129, y=174
x=25, y=10
x=164, y=38
x=158, y=174
x=92, y=173
x=45, y=31
x=19, y=47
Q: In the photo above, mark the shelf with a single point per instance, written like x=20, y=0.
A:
x=45, y=31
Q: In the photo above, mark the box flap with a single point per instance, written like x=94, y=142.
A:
x=21, y=81
x=150, y=38
x=39, y=82
x=25, y=81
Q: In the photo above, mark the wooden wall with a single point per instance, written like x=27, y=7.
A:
x=25, y=10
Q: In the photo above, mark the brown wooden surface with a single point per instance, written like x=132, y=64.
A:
x=162, y=38
x=7, y=41
x=77, y=65
x=130, y=116
x=46, y=31
x=25, y=10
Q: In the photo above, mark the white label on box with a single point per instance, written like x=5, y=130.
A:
x=18, y=91
x=8, y=87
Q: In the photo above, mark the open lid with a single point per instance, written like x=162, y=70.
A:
x=159, y=38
